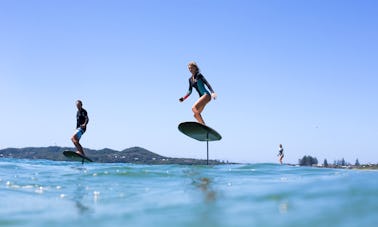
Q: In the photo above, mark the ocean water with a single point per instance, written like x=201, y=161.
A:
x=48, y=193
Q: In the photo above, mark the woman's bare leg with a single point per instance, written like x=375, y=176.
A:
x=199, y=106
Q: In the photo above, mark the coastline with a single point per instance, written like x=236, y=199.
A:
x=134, y=155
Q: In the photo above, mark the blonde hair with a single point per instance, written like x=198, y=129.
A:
x=193, y=63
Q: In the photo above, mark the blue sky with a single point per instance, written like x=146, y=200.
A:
x=300, y=73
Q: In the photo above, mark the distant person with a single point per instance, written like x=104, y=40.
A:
x=81, y=126
x=198, y=81
x=280, y=153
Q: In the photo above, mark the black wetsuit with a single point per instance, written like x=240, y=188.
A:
x=281, y=152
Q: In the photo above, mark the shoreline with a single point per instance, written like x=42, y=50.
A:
x=137, y=155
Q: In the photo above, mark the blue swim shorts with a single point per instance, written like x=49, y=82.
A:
x=79, y=132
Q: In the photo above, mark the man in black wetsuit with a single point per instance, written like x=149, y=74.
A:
x=81, y=126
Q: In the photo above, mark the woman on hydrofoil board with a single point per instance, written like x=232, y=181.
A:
x=198, y=81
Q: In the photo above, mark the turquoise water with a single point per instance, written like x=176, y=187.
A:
x=47, y=193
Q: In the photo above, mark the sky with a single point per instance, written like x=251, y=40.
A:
x=299, y=73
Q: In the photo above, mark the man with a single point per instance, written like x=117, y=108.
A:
x=81, y=125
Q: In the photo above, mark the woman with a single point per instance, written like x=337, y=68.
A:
x=280, y=153
x=198, y=81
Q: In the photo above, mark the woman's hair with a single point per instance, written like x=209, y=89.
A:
x=193, y=63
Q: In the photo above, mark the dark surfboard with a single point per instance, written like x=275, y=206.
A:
x=77, y=157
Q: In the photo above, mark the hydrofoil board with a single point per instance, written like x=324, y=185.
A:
x=77, y=157
x=199, y=131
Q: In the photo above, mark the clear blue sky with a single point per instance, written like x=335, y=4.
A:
x=300, y=73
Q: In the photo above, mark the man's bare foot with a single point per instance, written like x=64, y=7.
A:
x=80, y=153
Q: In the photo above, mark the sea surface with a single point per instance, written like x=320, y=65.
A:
x=50, y=193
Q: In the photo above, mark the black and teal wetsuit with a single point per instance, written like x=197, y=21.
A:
x=199, y=84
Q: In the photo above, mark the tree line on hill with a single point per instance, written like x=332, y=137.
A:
x=308, y=160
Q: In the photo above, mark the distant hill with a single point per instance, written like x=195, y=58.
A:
x=136, y=155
